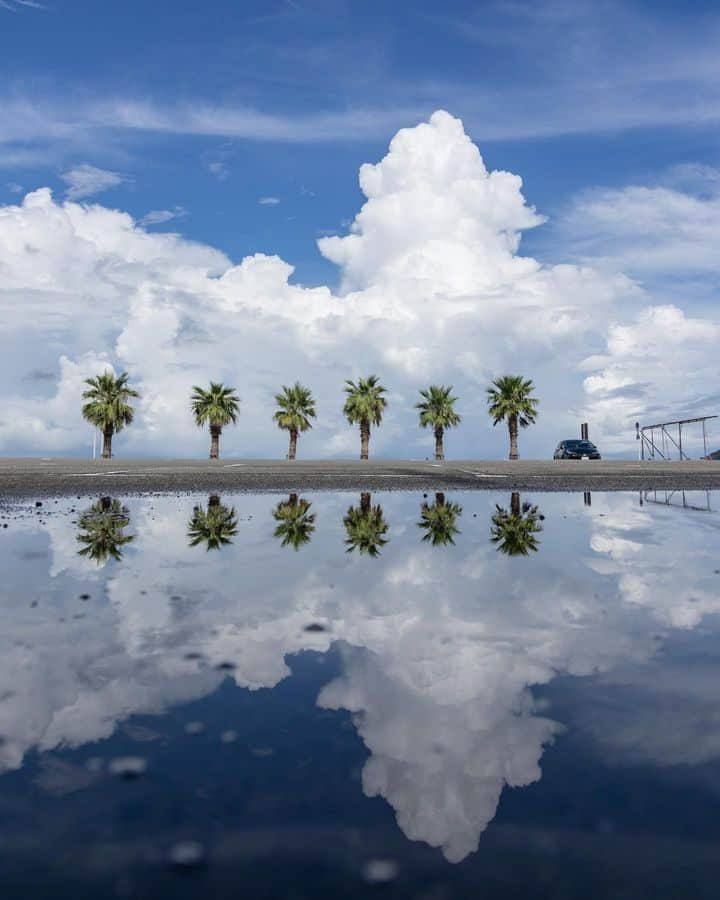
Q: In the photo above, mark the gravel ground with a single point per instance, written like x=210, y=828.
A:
x=28, y=478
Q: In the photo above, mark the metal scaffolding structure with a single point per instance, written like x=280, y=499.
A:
x=660, y=445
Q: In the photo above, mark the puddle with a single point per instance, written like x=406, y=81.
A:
x=323, y=695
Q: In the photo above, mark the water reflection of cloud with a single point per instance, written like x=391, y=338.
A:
x=441, y=646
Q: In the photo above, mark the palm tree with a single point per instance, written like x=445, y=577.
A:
x=365, y=526
x=510, y=397
x=219, y=407
x=439, y=521
x=437, y=411
x=107, y=407
x=213, y=527
x=295, y=522
x=100, y=531
x=295, y=409
x=364, y=406
x=515, y=531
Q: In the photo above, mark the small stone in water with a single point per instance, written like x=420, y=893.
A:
x=225, y=666
x=128, y=766
x=38, y=503
x=379, y=871
x=315, y=626
x=84, y=596
x=194, y=728
x=187, y=854
x=229, y=736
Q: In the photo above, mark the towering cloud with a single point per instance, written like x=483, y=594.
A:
x=433, y=287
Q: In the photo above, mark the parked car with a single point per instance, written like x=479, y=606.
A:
x=576, y=449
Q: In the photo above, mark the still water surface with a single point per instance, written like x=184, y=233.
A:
x=345, y=695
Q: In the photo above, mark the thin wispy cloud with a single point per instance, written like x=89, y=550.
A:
x=86, y=180
x=268, y=201
x=160, y=216
x=218, y=169
x=17, y=5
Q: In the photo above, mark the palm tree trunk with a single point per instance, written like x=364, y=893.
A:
x=364, y=440
x=515, y=503
x=107, y=443
x=365, y=499
x=215, y=431
x=292, y=500
x=439, y=499
x=513, y=429
x=293, y=443
x=439, y=450
x=213, y=500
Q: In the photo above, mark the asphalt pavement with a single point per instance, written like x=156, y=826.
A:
x=38, y=477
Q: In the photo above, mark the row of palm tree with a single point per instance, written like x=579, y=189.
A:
x=514, y=530
x=510, y=398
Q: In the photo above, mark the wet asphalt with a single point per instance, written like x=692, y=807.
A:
x=42, y=477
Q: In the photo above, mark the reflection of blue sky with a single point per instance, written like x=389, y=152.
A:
x=441, y=646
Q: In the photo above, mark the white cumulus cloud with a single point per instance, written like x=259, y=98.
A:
x=434, y=288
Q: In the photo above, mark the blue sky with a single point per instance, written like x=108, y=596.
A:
x=242, y=126
x=569, y=95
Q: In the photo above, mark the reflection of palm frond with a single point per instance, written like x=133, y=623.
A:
x=515, y=531
x=213, y=527
x=439, y=521
x=100, y=531
x=295, y=522
x=365, y=526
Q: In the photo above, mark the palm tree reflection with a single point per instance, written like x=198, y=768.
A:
x=213, y=527
x=295, y=522
x=515, y=531
x=439, y=521
x=365, y=526
x=101, y=531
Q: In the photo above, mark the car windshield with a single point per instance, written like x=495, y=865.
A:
x=579, y=445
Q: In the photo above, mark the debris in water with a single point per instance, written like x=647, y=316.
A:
x=187, y=855
x=380, y=871
x=128, y=766
x=315, y=626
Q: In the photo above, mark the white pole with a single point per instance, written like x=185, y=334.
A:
x=94, y=440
